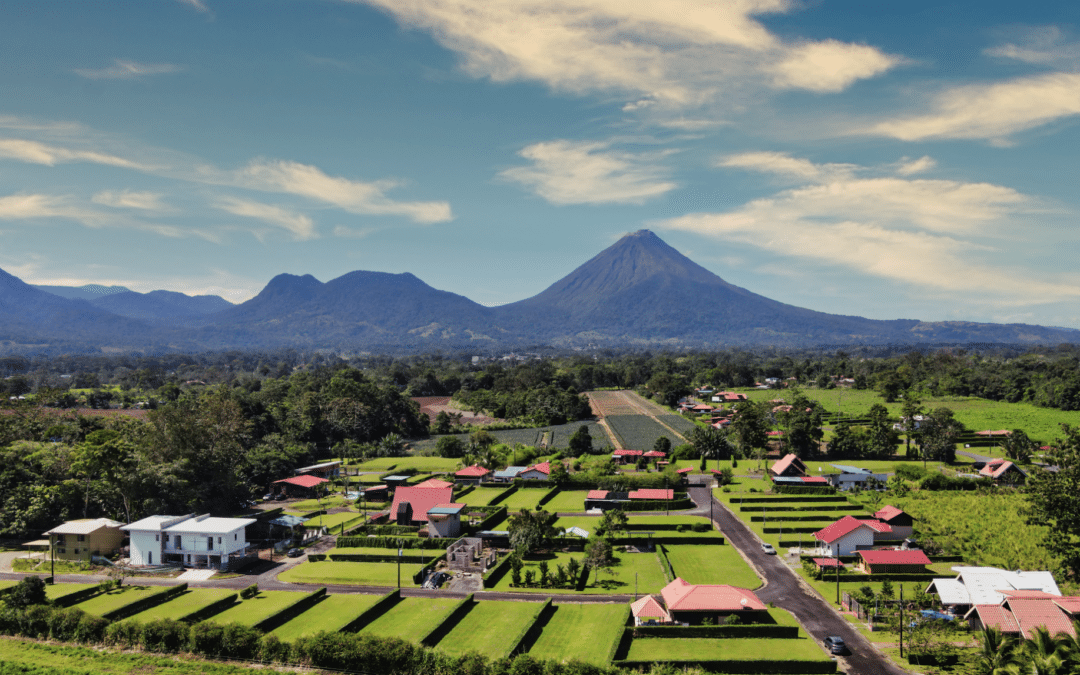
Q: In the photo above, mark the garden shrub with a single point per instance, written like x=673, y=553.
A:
x=123, y=634
x=64, y=623
x=250, y=592
x=163, y=635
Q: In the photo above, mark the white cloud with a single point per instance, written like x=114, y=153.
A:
x=127, y=199
x=912, y=167
x=351, y=232
x=1044, y=46
x=990, y=111
x=123, y=69
x=830, y=66
x=197, y=5
x=583, y=172
x=782, y=164
x=677, y=52
x=50, y=155
x=349, y=195
x=929, y=233
x=300, y=225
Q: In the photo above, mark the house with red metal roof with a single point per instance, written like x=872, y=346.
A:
x=622, y=456
x=788, y=465
x=1021, y=612
x=537, y=472
x=902, y=524
x=304, y=485
x=471, y=474
x=412, y=503
x=649, y=611
x=694, y=603
x=652, y=494
x=848, y=535
x=728, y=397
x=1003, y=471
x=655, y=454
x=911, y=561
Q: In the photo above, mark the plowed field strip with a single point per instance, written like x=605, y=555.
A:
x=610, y=403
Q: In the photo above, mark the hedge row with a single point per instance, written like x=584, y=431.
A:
x=718, y=632
x=780, y=500
x=624, y=639
x=452, y=619
x=791, y=530
x=291, y=611
x=388, y=542
x=76, y=597
x=800, y=490
x=521, y=640
x=492, y=518
x=422, y=572
x=495, y=574
x=776, y=518
x=762, y=666
x=718, y=541
x=549, y=496
x=210, y=610
x=501, y=497
x=152, y=600
x=462, y=492
x=677, y=504
x=825, y=507
x=661, y=553
x=381, y=606
x=390, y=556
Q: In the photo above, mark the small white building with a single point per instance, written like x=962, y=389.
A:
x=537, y=472
x=193, y=541
x=444, y=520
x=848, y=535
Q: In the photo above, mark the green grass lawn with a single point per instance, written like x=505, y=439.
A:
x=712, y=565
x=331, y=615
x=329, y=502
x=407, y=554
x=481, y=496
x=533, y=562
x=39, y=658
x=56, y=591
x=489, y=628
x=412, y=618
x=567, y=502
x=6, y=584
x=350, y=573
x=589, y=523
x=189, y=601
x=331, y=521
x=253, y=610
x=433, y=464
x=115, y=599
x=644, y=566
x=702, y=649
x=524, y=498
x=581, y=632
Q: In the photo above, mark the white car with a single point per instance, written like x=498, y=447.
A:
x=768, y=548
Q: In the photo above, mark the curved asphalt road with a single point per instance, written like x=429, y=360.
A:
x=784, y=588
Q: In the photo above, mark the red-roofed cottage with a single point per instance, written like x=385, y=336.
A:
x=1003, y=471
x=847, y=535
x=304, y=485
x=649, y=611
x=412, y=503
x=1022, y=613
x=537, y=472
x=788, y=465
x=693, y=603
x=902, y=524
x=655, y=494
x=471, y=474
x=893, y=562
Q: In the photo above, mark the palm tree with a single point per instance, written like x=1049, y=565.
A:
x=1047, y=653
x=998, y=654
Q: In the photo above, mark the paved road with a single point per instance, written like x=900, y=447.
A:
x=788, y=591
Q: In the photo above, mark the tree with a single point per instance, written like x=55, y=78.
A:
x=515, y=569
x=939, y=434
x=1053, y=500
x=599, y=556
x=481, y=439
x=662, y=444
x=29, y=591
x=443, y=423
x=802, y=427
x=1018, y=446
x=612, y=523
x=558, y=474
x=531, y=530
x=750, y=427
x=1047, y=654
x=450, y=446
x=845, y=443
x=882, y=438
x=998, y=654
x=712, y=443
x=581, y=442
x=725, y=477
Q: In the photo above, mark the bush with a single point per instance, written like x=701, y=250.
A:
x=91, y=629
x=29, y=591
x=123, y=634
x=912, y=472
x=164, y=635
x=250, y=592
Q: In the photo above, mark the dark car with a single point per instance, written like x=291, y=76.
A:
x=835, y=644
x=295, y=552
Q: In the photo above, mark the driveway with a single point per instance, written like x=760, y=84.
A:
x=787, y=590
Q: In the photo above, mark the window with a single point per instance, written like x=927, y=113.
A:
x=234, y=537
x=219, y=540
x=63, y=550
x=157, y=537
x=209, y=543
x=178, y=542
x=82, y=537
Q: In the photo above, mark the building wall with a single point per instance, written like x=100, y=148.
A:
x=102, y=542
x=145, y=548
x=450, y=527
x=196, y=542
x=533, y=475
x=846, y=545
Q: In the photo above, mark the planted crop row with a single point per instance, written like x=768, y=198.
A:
x=639, y=432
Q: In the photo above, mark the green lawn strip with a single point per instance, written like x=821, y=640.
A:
x=331, y=520
x=56, y=591
x=403, y=463
x=6, y=584
x=350, y=573
x=115, y=599
x=742, y=485
x=581, y=632
x=253, y=610
x=412, y=618
x=481, y=496
x=746, y=649
x=407, y=554
x=331, y=615
x=489, y=628
x=330, y=502
x=645, y=567
x=572, y=501
x=189, y=601
x=524, y=498
x=533, y=562
x=39, y=658
x=702, y=564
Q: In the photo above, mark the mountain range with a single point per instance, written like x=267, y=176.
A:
x=638, y=292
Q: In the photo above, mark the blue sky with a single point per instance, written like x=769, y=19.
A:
x=891, y=160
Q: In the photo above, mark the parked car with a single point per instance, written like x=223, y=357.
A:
x=279, y=498
x=295, y=552
x=768, y=548
x=835, y=644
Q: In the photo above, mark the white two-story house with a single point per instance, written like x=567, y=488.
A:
x=192, y=541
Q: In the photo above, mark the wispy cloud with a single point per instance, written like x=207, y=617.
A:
x=127, y=199
x=989, y=111
x=29, y=206
x=300, y=225
x=586, y=172
x=1044, y=46
x=928, y=233
x=782, y=164
x=676, y=53
x=197, y=5
x=49, y=155
x=123, y=69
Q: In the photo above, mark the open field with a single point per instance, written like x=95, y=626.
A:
x=350, y=573
x=189, y=601
x=639, y=432
x=524, y=498
x=559, y=437
x=40, y=658
x=331, y=520
x=704, y=564
x=481, y=496
x=582, y=632
x=488, y=628
x=56, y=591
x=331, y=615
x=253, y=610
x=700, y=649
x=567, y=502
x=417, y=463
x=412, y=618
x=115, y=599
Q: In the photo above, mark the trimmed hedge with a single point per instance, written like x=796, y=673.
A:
x=780, y=500
x=143, y=604
x=549, y=496
x=677, y=504
x=367, y=557
x=210, y=610
x=381, y=606
x=452, y=619
x=501, y=497
x=388, y=542
x=76, y=597
x=790, y=530
x=718, y=541
x=661, y=553
x=784, y=518
x=719, y=632
x=464, y=491
x=824, y=507
x=762, y=666
x=800, y=490
x=495, y=574
x=522, y=641
x=291, y=611
x=625, y=638
x=492, y=518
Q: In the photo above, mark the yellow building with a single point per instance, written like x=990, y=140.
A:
x=80, y=539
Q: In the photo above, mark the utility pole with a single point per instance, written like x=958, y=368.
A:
x=399, y=567
x=901, y=621
x=52, y=556
x=635, y=586
x=838, y=580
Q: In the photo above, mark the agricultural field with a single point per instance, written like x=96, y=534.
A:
x=40, y=658
x=481, y=496
x=253, y=610
x=57, y=591
x=489, y=628
x=570, y=501
x=331, y=615
x=678, y=423
x=116, y=598
x=412, y=618
x=558, y=437
x=639, y=432
x=350, y=573
x=703, y=564
x=582, y=632
x=187, y=602
x=434, y=464
x=700, y=649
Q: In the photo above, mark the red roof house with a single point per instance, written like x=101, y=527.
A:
x=305, y=481
x=1003, y=471
x=1021, y=613
x=692, y=603
x=649, y=610
x=789, y=465
x=902, y=524
x=412, y=503
x=655, y=453
x=474, y=471
x=847, y=535
x=596, y=494
x=885, y=562
x=653, y=494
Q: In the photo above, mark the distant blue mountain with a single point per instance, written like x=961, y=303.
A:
x=154, y=306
